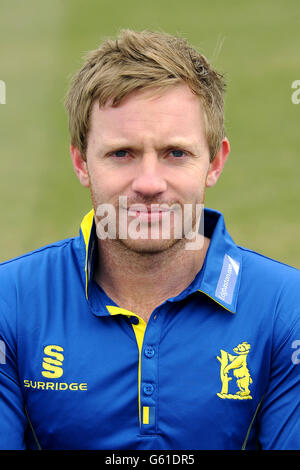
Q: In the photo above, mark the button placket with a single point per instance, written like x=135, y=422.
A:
x=149, y=376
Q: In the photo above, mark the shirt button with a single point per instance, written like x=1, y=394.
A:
x=148, y=389
x=134, y=320
x=149, y=351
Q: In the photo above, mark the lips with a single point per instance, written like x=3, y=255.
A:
x=154, y=209
x=150, y=212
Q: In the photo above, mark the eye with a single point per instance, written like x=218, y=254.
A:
x=120, y=153
x=177, y=153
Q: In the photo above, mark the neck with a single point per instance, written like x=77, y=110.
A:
x=139, y=282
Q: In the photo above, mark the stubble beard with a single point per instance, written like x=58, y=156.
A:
x=146, y=246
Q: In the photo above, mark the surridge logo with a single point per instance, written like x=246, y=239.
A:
x=53, y=369
x=53, y=361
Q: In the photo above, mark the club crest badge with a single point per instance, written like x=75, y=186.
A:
x=234, y=369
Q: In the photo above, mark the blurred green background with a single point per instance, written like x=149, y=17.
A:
x=255, y=44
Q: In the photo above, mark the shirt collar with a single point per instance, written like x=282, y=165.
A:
x=222, y=269
x=219, y=277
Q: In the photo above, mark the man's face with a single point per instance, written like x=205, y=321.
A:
x=152, y=150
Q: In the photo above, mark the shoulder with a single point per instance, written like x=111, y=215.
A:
x=35, y=258
x=27, y=272
x=267, y=270
x=29, y=285
x=275, y=287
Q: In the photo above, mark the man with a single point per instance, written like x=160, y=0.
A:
x=152, y=329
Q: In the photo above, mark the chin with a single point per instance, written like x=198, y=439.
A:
x=143, y=246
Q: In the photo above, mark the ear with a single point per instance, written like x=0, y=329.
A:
x=217, y=165
x=80, y=166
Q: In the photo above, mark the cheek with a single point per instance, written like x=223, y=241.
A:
x=191, y=185
x=106, y=185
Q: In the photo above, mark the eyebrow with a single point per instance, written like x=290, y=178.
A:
x=176, y=143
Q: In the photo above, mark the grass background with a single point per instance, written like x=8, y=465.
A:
x=256, y=45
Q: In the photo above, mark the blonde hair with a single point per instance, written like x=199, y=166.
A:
x=143, y=60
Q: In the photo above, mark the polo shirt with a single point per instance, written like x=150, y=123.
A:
x=215, y=367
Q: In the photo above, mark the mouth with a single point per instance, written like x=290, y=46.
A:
x=151, y=213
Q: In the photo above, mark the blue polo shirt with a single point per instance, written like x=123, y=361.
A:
x=216, y=367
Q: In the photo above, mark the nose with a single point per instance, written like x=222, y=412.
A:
x=148, y=180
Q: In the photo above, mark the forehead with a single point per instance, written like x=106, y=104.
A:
x=175, y=110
